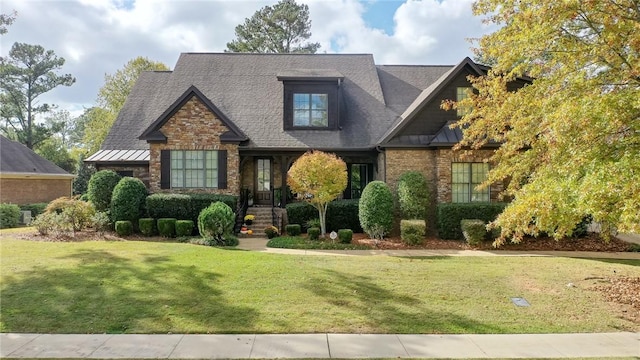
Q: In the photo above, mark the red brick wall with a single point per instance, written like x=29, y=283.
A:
x=29, y=191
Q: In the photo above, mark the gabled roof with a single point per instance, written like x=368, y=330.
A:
x=426, y=96
x=153, y=132
x=16, y=158
x=245, y=88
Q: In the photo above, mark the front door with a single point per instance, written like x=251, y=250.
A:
x=263, y=182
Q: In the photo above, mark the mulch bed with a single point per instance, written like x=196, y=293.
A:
x=592, y=242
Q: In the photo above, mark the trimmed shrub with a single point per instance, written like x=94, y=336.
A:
x=376, y=209
x=9, y=216
x=167, y=227
x=216, y=222
x=293, y=229
x=100, y=222
x=169, y=206
x=101, y=187
x=76, y=213
x=36, y=208
x=450, y=214
x=124, y=228
x=147, y=226
x=340, y=214
x=312, y=223
x=128, y=200
x=184, y=228
x=271, y=231
x=345, y=236
x=412, y=231
x=413, y=195
x=314, y=233
x=473, y=230
x=200, y=202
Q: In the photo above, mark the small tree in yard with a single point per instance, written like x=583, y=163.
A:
x=413, y=195
x=318, y=178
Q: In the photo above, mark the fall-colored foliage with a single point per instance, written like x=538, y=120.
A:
x=570, y=139
x=318, y=178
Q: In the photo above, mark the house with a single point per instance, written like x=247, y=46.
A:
x=27, y=178
x=223, y=122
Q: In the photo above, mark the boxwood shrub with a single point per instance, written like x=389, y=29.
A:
x=184, y=228
x=147, y=226
x=293, y=229
x=9, y=216
x=215, y=223
x=124, y=228
x=167, y=227
x=412, y=231
x=169, y=206
x=345, y=236
x=314, y=233
x=101, y=187
x=473, y=230
x=376, y=209
x=202, y=201
x=413, y=195
x=449, y=216
x=128, y=200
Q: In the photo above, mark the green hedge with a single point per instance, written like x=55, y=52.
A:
x=314, y=233
x=449, y=216
x=345, y=236
x=124, y=228
x=293, y=229
x=184, y=228
x=412, y=231
x=36, y=208
x=167, y=227
x=473, y=230
x=147, y=226
x=185, y=206
x=9, y=216
x=341, y=214
x=376, y=209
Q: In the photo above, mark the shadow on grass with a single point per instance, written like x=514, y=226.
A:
x=387, y=311
x=105, y=293
x=630, y=262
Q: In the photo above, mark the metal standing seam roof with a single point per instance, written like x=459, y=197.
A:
x=119, y=156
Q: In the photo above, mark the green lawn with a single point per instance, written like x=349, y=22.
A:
x=155, y=287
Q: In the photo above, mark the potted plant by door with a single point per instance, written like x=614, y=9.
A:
x=248, y=219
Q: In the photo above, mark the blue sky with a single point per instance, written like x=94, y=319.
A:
x=97, y=37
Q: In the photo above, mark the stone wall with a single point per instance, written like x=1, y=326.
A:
x=23, y=191
x=444, y=158
x=139, y=171
x=194, y=127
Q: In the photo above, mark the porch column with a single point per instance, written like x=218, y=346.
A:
x=283, y=179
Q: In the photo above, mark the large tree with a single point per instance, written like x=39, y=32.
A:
x=28, y=72
x=318, y=178
x=281, y=28
x=111, y=98
x=6, y=20
x=570, y=139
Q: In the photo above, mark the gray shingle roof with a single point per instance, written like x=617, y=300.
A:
x=246, y=89
x=16, y=158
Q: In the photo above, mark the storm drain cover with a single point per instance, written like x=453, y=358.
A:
x=520, y=301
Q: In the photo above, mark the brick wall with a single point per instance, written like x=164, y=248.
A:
x=194, y=127
x=29, y=191
x=444, y=158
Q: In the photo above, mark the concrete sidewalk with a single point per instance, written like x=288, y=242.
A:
x=102, y=346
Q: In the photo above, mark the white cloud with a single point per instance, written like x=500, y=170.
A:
x=99, y=36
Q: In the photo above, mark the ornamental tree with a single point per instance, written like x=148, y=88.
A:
x=318, y=178
x=570, y=139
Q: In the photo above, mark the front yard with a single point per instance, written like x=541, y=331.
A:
x=155, y=287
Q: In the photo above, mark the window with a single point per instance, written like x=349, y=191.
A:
x=311, y=106
x=310, y=110
x=461, y=94
x=359, y=176
x=465, y=177
x=125, y=173
x=194, y=169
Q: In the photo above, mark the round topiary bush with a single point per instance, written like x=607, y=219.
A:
x=293, y=229
x=412, y=231
x=215, y=222
x=124, y=228
x=167, y=227
x=345, y=236
x=128, y=200
x=9, y=216
x=101, y=187
x=314, y=233
x=376, y=209
x=184, y=228
x=147, y=226
x=413, y=195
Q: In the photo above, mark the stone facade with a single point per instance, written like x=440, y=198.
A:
x=139, y=171
x=194, y=127
x=23, y=191
x=444, y=158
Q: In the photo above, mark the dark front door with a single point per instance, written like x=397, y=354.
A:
x=263, y=182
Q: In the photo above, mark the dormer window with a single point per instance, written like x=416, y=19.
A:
x=311, y=99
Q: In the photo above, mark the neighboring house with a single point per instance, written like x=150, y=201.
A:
x=223, y=122
x=27, y=178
